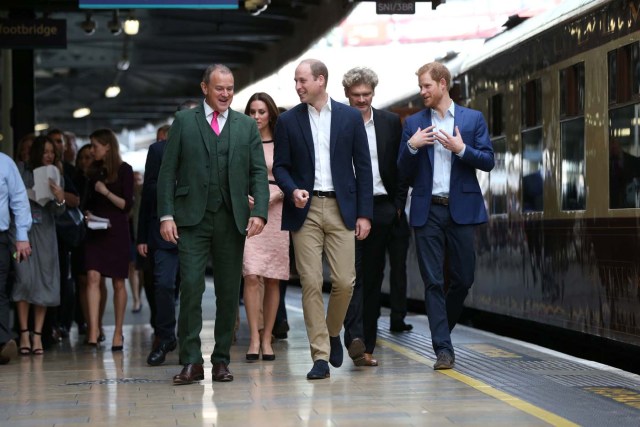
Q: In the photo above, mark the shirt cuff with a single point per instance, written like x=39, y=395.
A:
x=461, y=153
x=166, y=218
x=22, y=234
x=411, y=149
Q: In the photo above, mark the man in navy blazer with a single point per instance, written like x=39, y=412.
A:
x=322, y=165
x=442, y=148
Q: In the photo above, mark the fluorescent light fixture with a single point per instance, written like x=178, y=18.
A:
x=131, y=26
x=81, y=112
x=39, y=127
x=112, y=91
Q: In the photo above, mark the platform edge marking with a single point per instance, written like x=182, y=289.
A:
x=516, y=402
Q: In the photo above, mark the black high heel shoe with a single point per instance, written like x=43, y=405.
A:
x=25, y=351
x=118, y=347
x=267, y=357
x=38, y=351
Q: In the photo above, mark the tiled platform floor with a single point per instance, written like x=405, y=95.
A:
x=72, y=385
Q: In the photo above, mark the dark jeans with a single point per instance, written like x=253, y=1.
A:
x=438, y=236
x=165, y=273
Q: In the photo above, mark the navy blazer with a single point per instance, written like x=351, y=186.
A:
x=148, y=221
x=294, y=163
x=466, y=203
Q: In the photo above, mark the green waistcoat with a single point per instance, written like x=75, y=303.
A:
x=218, y=173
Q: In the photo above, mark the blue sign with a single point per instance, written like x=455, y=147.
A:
x=158, y=4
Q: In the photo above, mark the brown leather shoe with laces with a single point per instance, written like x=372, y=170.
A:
x=191, y=373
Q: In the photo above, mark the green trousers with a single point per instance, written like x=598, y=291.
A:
x=217, y=235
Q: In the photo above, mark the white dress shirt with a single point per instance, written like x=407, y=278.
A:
x=442, y=156
x=378, y=186
x=320, y=122
x=222, y=115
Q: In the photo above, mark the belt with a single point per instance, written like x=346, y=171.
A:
x=439, y=200
x=330, y=194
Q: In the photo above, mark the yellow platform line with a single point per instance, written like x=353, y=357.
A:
x=518, y=403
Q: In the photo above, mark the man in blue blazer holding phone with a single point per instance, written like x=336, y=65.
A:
x=322, y=165
x=442, y=148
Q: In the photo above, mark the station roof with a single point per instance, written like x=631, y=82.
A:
x=165, y=59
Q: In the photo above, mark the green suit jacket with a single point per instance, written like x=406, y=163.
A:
x=183, y=182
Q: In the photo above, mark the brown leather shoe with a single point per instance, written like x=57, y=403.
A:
x=191, y=373
x=8, y=351
x=220, y=372
x=366, y=360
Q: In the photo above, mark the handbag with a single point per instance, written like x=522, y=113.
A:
x=70, y=227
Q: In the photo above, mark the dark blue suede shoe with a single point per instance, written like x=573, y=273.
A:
x=319, y=371
x=335, y=357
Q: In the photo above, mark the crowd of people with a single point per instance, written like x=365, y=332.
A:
x=260, y=195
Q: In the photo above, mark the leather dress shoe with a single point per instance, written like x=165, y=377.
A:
x=220, y=372
x=444, y=361
x=319, y=371
x=191, y=373
x=159, y=353
x=335, y=357
x=8, y=351
x=356, y=351
x=400, y=327
x=367, y=360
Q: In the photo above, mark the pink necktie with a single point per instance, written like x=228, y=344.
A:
x=214, y=123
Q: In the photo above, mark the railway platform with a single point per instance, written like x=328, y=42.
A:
x=495, y=382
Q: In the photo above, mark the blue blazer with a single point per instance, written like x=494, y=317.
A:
x=294, y=163
x=466, y=203
x=148, y=221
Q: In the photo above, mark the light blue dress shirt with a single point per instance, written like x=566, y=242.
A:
x=13, y=197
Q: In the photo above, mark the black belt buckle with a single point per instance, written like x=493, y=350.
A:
x=440, y=200
x=323, y=194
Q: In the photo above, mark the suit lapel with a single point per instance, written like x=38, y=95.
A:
x=335, y=119
x=232, y=123
x=381, y=140
x=204, y=127
x=458, y=120
x=302, y=115
x=430, y=148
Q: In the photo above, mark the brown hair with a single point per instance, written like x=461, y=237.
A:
x=112, y=161
x=271, y=108
x=437, y=71
x=37, y=151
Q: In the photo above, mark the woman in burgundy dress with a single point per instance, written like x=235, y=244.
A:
x=110, y=195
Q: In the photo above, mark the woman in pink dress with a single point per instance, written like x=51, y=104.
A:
x=266, y=256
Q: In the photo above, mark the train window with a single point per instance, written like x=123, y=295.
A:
x=624, y=73
x=532, y=173
x=496, y=116
x=572, y=152
x=572, y=91
x=498, y=177
x=531, y=104
x=624, y=157
x=572, y=149
x=532, y=176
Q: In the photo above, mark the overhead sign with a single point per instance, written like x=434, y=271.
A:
x=158, y=4
x=392, y=7
x=33, y=33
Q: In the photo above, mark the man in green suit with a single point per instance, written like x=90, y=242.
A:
x=213, y=162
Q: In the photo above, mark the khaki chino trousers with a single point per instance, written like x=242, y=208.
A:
x=324, y=232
